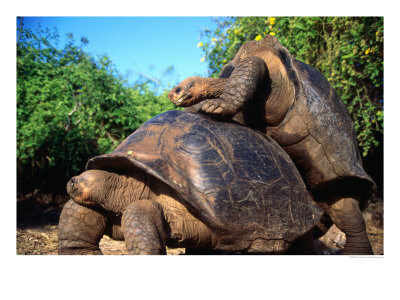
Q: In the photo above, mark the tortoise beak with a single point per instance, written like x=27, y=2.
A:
x=179, y=101
x=177, y=95
x=74, y=186
x=71, y=186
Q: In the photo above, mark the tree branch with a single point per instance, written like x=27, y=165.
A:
x=69, y=127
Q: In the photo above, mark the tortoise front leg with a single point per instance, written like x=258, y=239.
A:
x=144, y=228
x=80, y=229
x=247, y=79
x=347, y=216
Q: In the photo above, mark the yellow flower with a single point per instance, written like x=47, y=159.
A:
x=272, y=33
x=213, y=39
x=199, y=45
x=272, y=21
x=258, y=37
x=236, y=31
x=368, y=50
x=224, y=61
x=202, y=59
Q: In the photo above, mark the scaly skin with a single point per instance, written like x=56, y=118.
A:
x=346, y=215
x=146, y=224
x=80, y=229
x=236, y=92
x=144, y=228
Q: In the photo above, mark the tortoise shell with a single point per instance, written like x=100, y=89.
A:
x=230, y=177
x=328, y=151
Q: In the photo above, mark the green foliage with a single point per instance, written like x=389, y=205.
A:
x=71, y=106
x=347, y=50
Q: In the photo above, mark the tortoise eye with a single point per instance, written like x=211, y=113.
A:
x=178, y=90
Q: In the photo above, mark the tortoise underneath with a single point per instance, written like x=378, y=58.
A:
x=184, y=180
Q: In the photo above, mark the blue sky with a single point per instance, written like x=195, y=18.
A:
x=146, y=45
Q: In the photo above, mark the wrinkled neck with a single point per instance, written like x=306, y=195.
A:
x=281, y=97
x=210, y=88
x=122, y=190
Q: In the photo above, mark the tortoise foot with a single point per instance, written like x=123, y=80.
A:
x=143, y=228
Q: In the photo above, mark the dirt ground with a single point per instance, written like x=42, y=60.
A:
x=43, y=241
x=37, y=231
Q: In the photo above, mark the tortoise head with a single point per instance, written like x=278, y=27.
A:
x=110, y=190
x=87, y=188
x=194, y=89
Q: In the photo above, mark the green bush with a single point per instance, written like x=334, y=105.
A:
x=347, y=50
x=71, y=106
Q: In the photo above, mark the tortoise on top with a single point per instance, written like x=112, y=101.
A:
x=264, y=87
x=183, y=180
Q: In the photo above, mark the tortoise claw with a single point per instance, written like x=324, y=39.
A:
x=210, y=109
x=216, y=107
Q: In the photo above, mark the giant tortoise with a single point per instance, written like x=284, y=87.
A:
x=185, y=180
x=266, y=88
